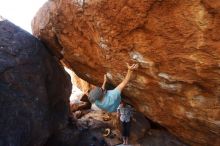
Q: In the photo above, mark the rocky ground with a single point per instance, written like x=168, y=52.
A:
x=99, y=128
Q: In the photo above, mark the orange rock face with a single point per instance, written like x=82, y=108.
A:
x=80, y=83
x=176, y=42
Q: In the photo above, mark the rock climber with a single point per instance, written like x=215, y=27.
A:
x=124, y=114
x=109, y=100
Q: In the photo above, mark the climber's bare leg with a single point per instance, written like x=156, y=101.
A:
x=124, y=140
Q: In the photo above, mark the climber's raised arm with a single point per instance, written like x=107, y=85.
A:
x=104, y=82
x=109, y=100
x=131, y=68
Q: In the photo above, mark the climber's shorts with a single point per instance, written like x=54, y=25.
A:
x=126, y=128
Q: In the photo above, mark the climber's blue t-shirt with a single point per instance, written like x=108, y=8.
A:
x=110, y=101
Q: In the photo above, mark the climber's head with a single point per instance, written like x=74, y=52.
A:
x=96, y=94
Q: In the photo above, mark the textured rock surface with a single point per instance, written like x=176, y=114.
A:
x=139, y=126
x=68, y=136
x=177, y=43
x=93, y=124
x=80, y=83
x=80, y=106
x=34, y=89
x=156, y=137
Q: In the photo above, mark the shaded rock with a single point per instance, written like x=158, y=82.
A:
x=80, y=106
x=93, y=120
x=34, y=89
x=79, y=114
x=93, y=129
x=176, y=43
x=84, y=98
x=94, y=125
x=92, y=138
x=96, y=120
x=139, y=126
x=68, y=136
x=91, y=126
x=160, y=138
x=80, y=83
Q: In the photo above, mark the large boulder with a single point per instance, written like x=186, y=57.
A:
x=34, y=89
x=176, y=42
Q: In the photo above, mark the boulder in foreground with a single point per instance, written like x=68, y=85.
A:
x=34, y=89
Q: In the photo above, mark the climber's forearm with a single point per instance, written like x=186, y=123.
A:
x=103, y=84
x=127, y=77
x=125, y=81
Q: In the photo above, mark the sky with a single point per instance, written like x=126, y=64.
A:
x=20, y=12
